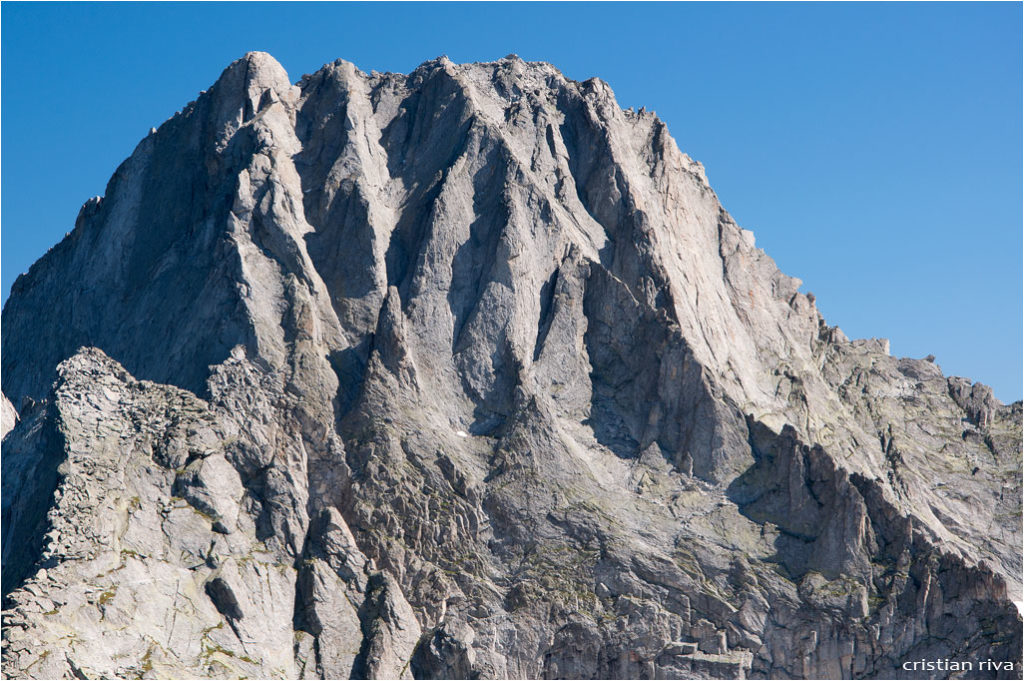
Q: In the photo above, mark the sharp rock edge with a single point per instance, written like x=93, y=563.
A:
x=466, y=373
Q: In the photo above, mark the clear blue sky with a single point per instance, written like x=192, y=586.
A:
x=874, y=149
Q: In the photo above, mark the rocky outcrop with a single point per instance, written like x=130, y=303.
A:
x=8, y=416
x=466, y=373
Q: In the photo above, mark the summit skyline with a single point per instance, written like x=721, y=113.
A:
x=874, y=150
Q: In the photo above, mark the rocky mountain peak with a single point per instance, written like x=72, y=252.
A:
x=467, y=373
x=247, y=87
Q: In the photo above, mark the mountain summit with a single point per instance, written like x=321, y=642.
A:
x=466, y=373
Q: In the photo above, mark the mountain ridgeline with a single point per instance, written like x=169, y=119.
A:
x=466, y=373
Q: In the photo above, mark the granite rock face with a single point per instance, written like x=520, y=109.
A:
x=466, y=373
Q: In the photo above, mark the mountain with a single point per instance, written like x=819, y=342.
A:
x=467, y=373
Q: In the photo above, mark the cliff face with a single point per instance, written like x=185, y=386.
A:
x=466, y=373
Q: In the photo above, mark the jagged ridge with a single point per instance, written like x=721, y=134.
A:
x=491, y=386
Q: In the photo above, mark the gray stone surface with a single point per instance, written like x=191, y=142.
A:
x=466, y=373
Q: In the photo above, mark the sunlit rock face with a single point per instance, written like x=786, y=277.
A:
x=466, y=373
